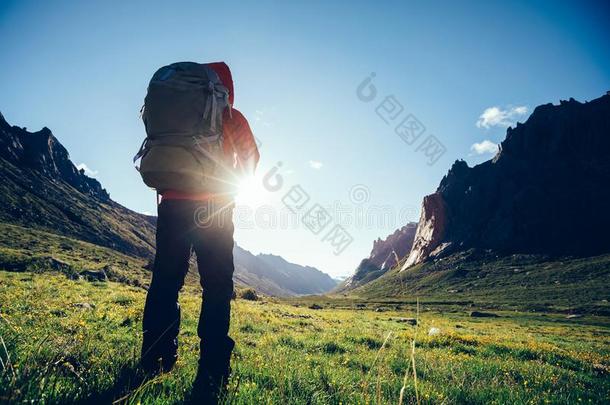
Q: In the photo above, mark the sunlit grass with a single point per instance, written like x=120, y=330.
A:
x=59, y=349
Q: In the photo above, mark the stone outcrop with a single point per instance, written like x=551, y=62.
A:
x=386, y=253
x=430, y=229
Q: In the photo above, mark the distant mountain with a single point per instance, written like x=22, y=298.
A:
x=546, y=191
x=386, y=254
x=41, y=189
x=274, y=275
x=299, y=279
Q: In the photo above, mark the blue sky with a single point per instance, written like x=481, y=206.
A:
x=82, y=70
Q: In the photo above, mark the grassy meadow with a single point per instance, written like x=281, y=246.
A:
x=76, y=341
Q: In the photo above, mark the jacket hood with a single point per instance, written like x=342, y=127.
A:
x=223, y=71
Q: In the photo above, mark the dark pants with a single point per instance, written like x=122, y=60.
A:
x=183, y=225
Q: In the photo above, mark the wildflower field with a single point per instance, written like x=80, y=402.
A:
x=77, y=342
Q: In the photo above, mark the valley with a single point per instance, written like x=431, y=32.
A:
x=485, y=300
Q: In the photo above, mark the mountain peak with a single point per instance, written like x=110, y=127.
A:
x=42, y=152
x=3, y=123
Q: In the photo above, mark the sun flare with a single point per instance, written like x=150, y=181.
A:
x=251, y=192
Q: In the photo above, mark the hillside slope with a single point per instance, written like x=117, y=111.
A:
x=41, y=190
x=482, y=278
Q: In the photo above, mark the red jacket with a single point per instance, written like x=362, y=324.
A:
x=240, y=148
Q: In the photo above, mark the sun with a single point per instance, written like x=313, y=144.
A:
x=250, y=191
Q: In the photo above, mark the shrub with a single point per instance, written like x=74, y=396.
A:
x=248, y=294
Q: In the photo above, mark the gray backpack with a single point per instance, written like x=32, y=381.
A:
x=182, y=114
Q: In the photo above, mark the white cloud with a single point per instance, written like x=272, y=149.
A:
x=314, y=164
x=147, y=213
x=87, y=170
x=483, y=147
x=495, y=116
x=265, y=117
x=521, y=110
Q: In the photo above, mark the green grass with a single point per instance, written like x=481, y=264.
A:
x=23, y=249
x=58, y=350
x=36, y=250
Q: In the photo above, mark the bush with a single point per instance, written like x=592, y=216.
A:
x=248, y=294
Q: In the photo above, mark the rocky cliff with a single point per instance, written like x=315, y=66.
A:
x=42, y=152
x=546, y=191
x=386, y=253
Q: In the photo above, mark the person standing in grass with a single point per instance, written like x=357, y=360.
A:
x=197, y=149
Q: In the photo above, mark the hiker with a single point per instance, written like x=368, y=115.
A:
x=196, y=150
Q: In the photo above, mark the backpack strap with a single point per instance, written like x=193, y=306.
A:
x=142, y=151
x=210, y=111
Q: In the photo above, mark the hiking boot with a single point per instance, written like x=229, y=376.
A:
x=158, y=356
x=154, y=363
x=209, y=388
x=161, y=365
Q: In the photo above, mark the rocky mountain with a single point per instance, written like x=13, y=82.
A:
x=545, y=192
x=528, y=228
x=42, y=190
x=386, y=253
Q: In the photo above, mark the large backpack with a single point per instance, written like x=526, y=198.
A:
x=182, y=114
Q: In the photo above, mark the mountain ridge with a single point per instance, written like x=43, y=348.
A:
x=274, y=271
x=534, y=195
x=42, y=188
x=529, y=225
